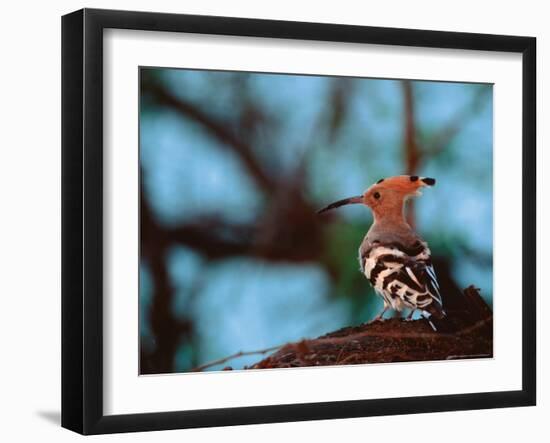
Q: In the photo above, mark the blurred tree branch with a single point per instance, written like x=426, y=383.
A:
x=219, y=361
x=166, y=328
x=218, y=129
x=286, y=233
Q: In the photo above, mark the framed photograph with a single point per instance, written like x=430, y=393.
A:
x=268, y=221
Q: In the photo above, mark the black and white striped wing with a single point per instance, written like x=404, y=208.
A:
x=403, y=276
x=431, y=281
x=416, y=282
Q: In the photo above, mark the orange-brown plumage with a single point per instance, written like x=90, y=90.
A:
x=387, y=197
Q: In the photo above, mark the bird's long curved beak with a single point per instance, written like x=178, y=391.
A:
x=345, y=201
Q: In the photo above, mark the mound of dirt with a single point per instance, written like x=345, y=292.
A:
x=466, y=332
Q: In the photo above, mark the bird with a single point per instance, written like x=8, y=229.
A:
x=392, y=256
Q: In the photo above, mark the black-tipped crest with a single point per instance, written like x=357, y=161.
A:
x=345, y=201
x=429, y=181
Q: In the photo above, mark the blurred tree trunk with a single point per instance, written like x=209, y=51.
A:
x=411, y=152
x=167, y=330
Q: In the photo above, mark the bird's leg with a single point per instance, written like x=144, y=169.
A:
x=380, y=317
x=410, y=316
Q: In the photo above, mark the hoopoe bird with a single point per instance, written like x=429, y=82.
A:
x=392, y=256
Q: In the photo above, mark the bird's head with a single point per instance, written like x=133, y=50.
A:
x=387, y=194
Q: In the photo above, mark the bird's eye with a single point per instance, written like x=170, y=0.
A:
x=376, y=195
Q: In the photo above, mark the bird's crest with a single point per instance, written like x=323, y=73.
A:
x=405, y=184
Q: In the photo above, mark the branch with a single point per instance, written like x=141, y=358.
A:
x=209, y=242
x=166, y=328
x=233, y=356
x=217, y=129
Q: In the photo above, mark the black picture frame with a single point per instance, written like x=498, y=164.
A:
x=82, y=220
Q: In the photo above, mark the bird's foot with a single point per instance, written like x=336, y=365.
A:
x=380, y=317
x=410, y=316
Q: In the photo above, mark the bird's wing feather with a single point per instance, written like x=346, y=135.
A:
x=425, y=275
x=403, y=271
